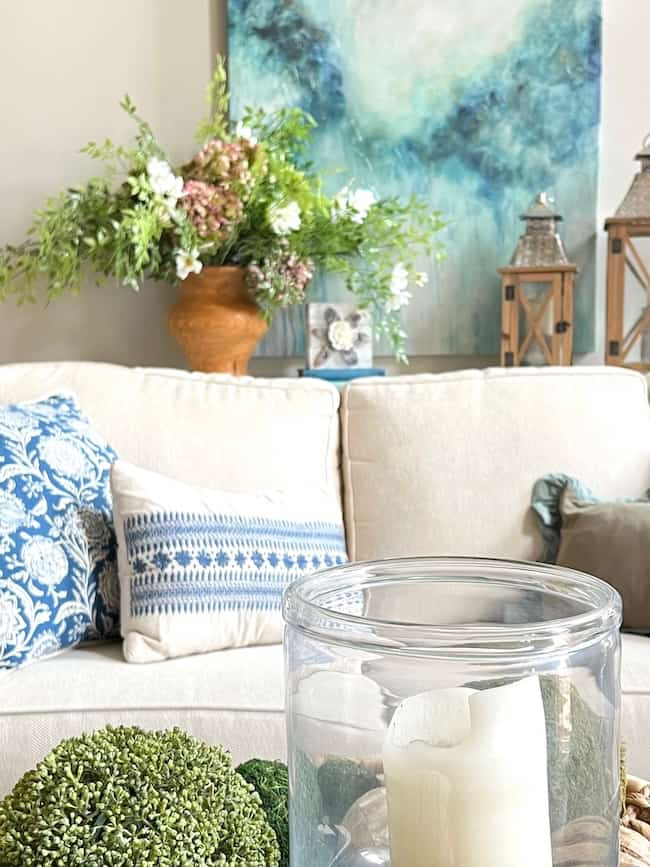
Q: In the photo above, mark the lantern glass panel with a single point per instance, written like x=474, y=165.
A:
x=637, y=300
x=537, y=295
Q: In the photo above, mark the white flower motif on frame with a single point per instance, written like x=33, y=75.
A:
x=341, y=335
x=188, y=262
x=286, y=219
x=399, y=294
x=354, y=204
x=338, y=335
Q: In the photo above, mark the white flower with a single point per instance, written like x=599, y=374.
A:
x=188, y=262
x=45, y=644
x=11, y=622
x=354, y=204
x=400, y=296
x=163, y=181
x=244, y=131
x=399, y=280
x=286, y=219
x=160, y=175
x=12, y=513
x=360, y=202
x=45, y=561
x=341, y=335
x=175, y=191
x=63, y=456
x=421, y=278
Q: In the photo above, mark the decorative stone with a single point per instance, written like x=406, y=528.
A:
x=367, y=820
x=377, y=857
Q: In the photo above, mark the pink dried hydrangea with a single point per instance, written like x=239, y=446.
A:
x=212, y=209
x=281, y=281
x=226, y=164
x=221, y=182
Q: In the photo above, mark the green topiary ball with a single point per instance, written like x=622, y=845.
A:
x=271, y=782
x=125, y=797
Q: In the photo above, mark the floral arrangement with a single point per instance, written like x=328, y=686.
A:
x=248, y=198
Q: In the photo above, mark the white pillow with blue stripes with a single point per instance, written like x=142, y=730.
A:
x=203, y=570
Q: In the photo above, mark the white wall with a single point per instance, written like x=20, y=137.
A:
x=64, y=65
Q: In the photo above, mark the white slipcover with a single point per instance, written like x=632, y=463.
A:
x=444, y=465
x=231, y=697
x=431, y=464
x=235, y=433
x=239, y=434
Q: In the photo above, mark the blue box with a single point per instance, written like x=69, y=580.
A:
x=341, y=375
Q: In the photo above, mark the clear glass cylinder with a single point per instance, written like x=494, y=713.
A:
x=453, y=713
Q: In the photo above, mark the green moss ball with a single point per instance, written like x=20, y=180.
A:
x=123, y=796
x=341, y=783
x=271, y=782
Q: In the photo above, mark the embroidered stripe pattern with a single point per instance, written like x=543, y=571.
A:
x=188, y=563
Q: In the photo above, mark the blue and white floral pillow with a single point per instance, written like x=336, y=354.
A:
x=58, y=558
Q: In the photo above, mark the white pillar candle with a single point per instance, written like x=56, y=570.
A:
x=467, y=780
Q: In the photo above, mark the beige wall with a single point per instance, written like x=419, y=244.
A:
x=64, y=65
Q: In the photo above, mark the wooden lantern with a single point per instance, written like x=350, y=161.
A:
x=541, y=320
x=631, y=221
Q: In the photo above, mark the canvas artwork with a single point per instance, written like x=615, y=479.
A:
x=475, y=106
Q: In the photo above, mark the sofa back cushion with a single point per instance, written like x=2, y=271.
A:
x=217, y=431
x=445, y=464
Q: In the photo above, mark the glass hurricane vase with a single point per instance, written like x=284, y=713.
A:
x=453, y=713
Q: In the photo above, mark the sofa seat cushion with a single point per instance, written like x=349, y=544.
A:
x=233, y=697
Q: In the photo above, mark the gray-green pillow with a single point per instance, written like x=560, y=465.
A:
x=608, y=539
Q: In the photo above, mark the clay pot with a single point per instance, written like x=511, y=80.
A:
x=216, y=322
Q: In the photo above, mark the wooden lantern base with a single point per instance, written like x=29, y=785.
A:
x=559, y=295
x=622, y=254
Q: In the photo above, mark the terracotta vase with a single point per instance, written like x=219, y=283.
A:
x=216, y=322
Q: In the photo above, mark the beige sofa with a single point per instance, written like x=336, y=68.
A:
x=424, y=465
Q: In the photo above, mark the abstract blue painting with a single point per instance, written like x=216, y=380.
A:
x=475, y=105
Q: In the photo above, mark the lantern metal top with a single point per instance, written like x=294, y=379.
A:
x=540, y=246
x=636, y=204
x=542, y=209
x=644, y=153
